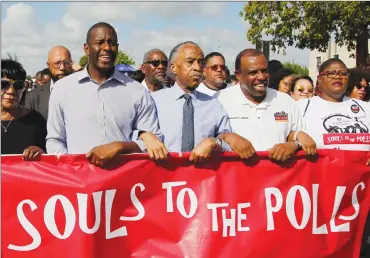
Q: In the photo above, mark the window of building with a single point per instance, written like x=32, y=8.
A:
x=318, y=62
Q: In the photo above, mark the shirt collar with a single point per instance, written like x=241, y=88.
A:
x=145, y=85
x=264, y=104
x=177, y=92
x=117, y=75
x=51, y=85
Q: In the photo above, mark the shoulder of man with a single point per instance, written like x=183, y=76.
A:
x=67, y=81
x=159, y=93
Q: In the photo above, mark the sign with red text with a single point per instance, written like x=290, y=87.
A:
x=225, y=207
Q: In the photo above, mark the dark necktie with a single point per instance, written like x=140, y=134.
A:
x=187, y=143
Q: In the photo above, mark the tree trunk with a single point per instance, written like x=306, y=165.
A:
x=362, y=50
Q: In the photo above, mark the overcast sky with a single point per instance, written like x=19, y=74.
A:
x=30, y=29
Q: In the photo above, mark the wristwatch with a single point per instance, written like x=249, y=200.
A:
x=295, y=135
x=218, y=142
x=298, y=144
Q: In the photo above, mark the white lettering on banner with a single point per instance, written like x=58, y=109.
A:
x=269, y=208
x=180, y=199
x=82, y=211
x=306, y=200
x=213, y=207
x=242, y=216
x=355, y=203
x=27, y=225
x=122, y=231
x=291, y=203
x=70, y=215
x=339, y=193
x=229, y=223
x=322, y=230
x=136, y=203
x=231, y=218
x=49, y=216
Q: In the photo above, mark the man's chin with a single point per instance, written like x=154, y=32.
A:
x=106, y=66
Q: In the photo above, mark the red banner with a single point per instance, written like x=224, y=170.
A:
x=65, y=207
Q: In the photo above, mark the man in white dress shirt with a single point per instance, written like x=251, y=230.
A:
x=214, y=75
x=154, y=67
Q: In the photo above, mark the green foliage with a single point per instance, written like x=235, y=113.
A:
x=309, y=24
x=84, y=60
x=122, y=58
x=296, y=68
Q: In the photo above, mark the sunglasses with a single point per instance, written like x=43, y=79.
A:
x=215, y=67
x=17, y=85
x=359, y=87
x=310, y=90
x=156, y=63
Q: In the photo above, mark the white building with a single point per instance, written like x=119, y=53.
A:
x=317, y=58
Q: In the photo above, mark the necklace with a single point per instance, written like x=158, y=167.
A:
x=6, y=128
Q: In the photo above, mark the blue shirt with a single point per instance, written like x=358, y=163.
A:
x=210, y=118
x=84, y=114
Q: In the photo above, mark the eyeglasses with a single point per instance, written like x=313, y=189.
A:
x=215, y=67
x=310, y=90
x=333, y=74
x=359, y=87
x=17, y=85
x=156, y=63
x=58, y=64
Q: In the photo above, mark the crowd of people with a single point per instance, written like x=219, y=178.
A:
x=184, y=102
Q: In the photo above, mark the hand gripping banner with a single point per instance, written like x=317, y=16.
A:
x=65, y=207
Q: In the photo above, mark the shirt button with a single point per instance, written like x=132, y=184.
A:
x=258, y=117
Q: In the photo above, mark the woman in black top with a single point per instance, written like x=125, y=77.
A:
x=23, y=131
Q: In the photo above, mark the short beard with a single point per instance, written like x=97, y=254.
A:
x=55, y=79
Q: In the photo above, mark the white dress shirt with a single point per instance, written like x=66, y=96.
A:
x=213, y=93
x=146, y=86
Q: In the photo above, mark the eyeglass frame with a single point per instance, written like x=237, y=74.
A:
x=163, y=62
x=222, y=68
x=12, y=84
x=359, y=87
x=335, y=74
x=64, y=63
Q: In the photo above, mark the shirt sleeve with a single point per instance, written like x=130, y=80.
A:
x=146, y=120
x=28, y=103
x=224, y=125
x=297, y=118
x=56, y=137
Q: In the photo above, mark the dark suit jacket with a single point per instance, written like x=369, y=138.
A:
x=38, y=99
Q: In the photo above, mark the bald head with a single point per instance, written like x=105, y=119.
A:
x=249, y=52
x=58, y=51
x=59, y=62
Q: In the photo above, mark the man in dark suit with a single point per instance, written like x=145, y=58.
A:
x=60, y=65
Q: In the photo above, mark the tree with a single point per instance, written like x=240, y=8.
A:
x=296, y=68
x=311, y=25
x=84, y=60
x=122, y=58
